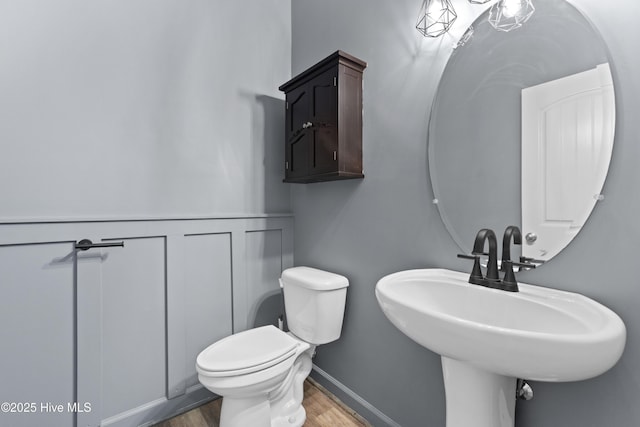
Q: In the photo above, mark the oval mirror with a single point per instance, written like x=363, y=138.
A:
x=521, y=129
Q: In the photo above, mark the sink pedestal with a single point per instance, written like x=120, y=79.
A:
x=476, y=397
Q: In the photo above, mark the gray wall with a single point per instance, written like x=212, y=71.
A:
x=386, y=222
x=147, y=108
x=140, y=110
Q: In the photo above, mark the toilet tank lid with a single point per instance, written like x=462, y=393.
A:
x=312, y=278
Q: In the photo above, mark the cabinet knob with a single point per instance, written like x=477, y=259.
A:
x=307, y=125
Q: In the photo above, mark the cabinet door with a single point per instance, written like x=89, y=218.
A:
x=324, y=118
x=297, y=136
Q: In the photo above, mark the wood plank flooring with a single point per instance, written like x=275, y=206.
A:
x=323, y=410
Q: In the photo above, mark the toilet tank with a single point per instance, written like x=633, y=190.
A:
x=314, y=303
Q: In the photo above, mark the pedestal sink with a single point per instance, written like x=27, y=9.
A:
x=488, y=338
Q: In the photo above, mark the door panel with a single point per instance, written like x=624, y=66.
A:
x=324, y=116
x=297, y=136
x=324, y=153
x=567, y=140
x=325, y=97
x=298, y=109
x=298, y=151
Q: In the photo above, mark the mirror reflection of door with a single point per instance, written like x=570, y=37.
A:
x=567, y=140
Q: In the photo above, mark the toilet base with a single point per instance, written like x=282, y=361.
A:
x=256, y=412
x=281, y=407
x=286, y=401
x=243, y=412
x=295, y=419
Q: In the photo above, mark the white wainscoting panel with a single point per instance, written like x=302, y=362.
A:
x=119, y=328
x=264, y=265
x=36, y=334
x=208, y=282
x=133, y=325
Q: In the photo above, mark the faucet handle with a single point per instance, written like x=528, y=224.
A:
x=476, y=273
x=531, y=260
x=480, y=253
x=528, y=263
x=524, y=264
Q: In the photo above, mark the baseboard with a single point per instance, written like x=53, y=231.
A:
x=161, y=409
x=350, y=398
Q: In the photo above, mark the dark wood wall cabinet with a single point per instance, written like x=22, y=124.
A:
x=323, y=119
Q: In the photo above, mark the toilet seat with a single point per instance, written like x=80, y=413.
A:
x=246, y=352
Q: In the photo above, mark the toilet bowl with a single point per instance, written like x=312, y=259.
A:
x=249, y=368
x=260, y=372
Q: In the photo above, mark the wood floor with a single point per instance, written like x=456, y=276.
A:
x=323, y=410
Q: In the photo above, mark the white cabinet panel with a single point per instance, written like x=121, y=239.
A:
x=37, y=333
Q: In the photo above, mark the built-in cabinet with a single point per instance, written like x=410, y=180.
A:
x=115, y=331
x=323, y=121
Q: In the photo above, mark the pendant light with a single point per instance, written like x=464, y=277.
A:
x=436, y=17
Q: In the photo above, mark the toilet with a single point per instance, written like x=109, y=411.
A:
x=260, y=372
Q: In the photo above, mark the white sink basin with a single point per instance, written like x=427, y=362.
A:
x=538, y=333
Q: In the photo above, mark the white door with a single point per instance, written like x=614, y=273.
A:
x=567, y=139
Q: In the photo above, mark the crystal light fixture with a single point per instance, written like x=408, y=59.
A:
x=479, y=1
x=507, y=15
x=436, y=16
